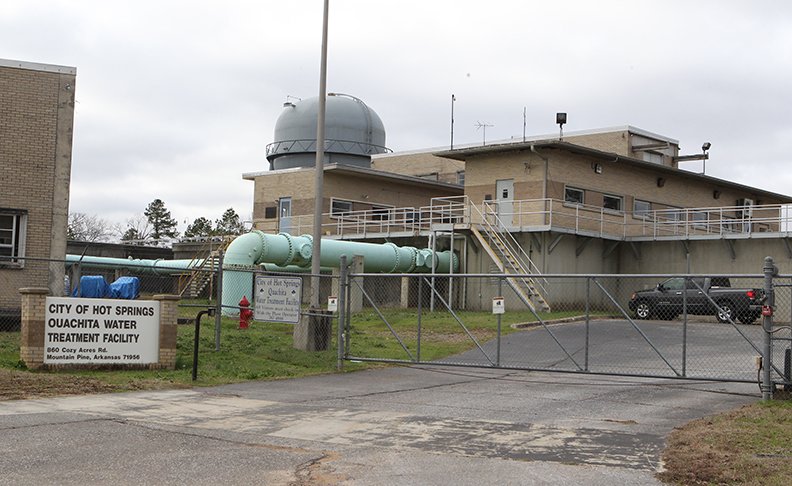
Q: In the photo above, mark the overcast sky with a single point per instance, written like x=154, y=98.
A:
x=176, y=99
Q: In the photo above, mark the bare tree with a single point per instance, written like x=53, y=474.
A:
x=85, y=227
x=136, y=228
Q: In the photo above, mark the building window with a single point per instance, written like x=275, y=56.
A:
x=613, y=203
x=573, y=195
x=339, y=207
x=699, y=219
x=380, y=213
x=12, y=237
x=461, y=177
x=270, y=212
x=642, y=209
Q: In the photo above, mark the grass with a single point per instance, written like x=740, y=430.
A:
x=751, y=445
x=265, y=350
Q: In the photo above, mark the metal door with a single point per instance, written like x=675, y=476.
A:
x=505, y=198
x=284, y=215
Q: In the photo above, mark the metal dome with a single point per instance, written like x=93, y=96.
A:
x=353, y=132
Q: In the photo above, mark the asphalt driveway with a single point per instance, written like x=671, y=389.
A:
x=408, y=425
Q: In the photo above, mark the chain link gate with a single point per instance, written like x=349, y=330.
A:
x=590, y=327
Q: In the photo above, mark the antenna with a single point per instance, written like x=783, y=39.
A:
x=483, y=127
x=525, y=108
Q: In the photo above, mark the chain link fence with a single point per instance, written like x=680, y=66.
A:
x=676, y=326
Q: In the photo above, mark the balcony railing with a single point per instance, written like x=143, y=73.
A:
x=550, y=214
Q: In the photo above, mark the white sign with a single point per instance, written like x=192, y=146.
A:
x=101, y=331
x=498, y=306
x=278, y=299
x=332, y=304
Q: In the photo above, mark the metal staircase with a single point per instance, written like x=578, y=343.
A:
x=205, y=265
x=510, y=258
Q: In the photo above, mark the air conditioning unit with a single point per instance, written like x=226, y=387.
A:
x=745, y=202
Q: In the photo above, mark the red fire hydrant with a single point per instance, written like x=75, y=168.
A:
x=245, y=314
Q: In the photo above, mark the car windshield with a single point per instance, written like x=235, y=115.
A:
x=675, y=283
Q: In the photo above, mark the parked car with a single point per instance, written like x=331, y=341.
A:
x=665, y=301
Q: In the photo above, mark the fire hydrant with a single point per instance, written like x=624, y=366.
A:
x=245, y=314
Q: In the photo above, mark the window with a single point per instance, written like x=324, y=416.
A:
x=380, y=213
x=573, y=195
x=461, y=177
x=270, y=212
x=612, y=202
x=642, y=209
x=12, y=237
x=339, y=207
x=699, y=219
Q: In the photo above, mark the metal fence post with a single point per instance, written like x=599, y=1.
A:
x=420, y=308
x=767, y=325
x=588, y=321
x=684, y=323
x=342, y=285
x=219, y=297
x=498, y=350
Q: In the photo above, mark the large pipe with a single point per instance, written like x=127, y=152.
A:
x=253, y=248
x=286, y=253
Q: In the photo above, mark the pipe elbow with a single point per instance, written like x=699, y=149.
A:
x=247, y=249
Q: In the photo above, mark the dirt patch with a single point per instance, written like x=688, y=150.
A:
x=751, y=445
x=20, y=385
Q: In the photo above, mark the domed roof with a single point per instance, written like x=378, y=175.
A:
x=353, y=132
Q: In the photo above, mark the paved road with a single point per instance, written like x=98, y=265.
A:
x=391, y=426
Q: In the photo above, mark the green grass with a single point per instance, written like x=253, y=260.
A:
x=265, y=350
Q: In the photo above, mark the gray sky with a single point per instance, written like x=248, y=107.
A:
x=176, y=99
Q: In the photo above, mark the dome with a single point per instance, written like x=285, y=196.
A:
x=353, y=132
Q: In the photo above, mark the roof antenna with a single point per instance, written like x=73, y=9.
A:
x=483, y=127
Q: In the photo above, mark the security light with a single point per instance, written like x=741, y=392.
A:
x=706, y=146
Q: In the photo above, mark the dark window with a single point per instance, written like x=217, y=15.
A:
x=379, y=213
x=12, y=236
x=573, y=195
x=270, y=212
x=340, y=207
x=612, y=202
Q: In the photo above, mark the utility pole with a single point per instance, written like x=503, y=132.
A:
x=316, y=267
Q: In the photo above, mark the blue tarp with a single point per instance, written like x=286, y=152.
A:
x=125, y=288
x=92, y=286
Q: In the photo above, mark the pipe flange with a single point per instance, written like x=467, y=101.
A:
x=396, y=260
x=292, y=251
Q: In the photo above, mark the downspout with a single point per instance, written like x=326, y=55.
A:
x=544, y=198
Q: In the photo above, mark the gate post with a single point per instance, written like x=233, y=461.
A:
x=343, y=285
x=770, y=270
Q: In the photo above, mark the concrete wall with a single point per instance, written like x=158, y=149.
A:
x=36, y=123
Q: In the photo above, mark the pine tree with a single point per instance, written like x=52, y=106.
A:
x=229, y=224
x=162, y=224
x=200, y=227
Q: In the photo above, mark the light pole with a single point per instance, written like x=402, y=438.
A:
x=453, y=99
x=316, y=268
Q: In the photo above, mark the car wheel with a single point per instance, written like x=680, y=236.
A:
x=643, y=310
x=725, y=313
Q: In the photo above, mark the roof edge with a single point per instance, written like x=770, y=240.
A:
x=37, y=66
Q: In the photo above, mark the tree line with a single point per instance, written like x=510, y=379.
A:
x=154, y=224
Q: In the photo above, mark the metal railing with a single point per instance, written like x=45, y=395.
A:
x=546, y=214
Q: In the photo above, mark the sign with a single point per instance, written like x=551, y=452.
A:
x=332, y=304
x=498, y=305
x=278, y=299
x=101, y=331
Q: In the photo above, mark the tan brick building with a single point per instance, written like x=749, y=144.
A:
x=36, y=124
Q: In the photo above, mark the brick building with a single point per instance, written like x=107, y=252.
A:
x=36, y=124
